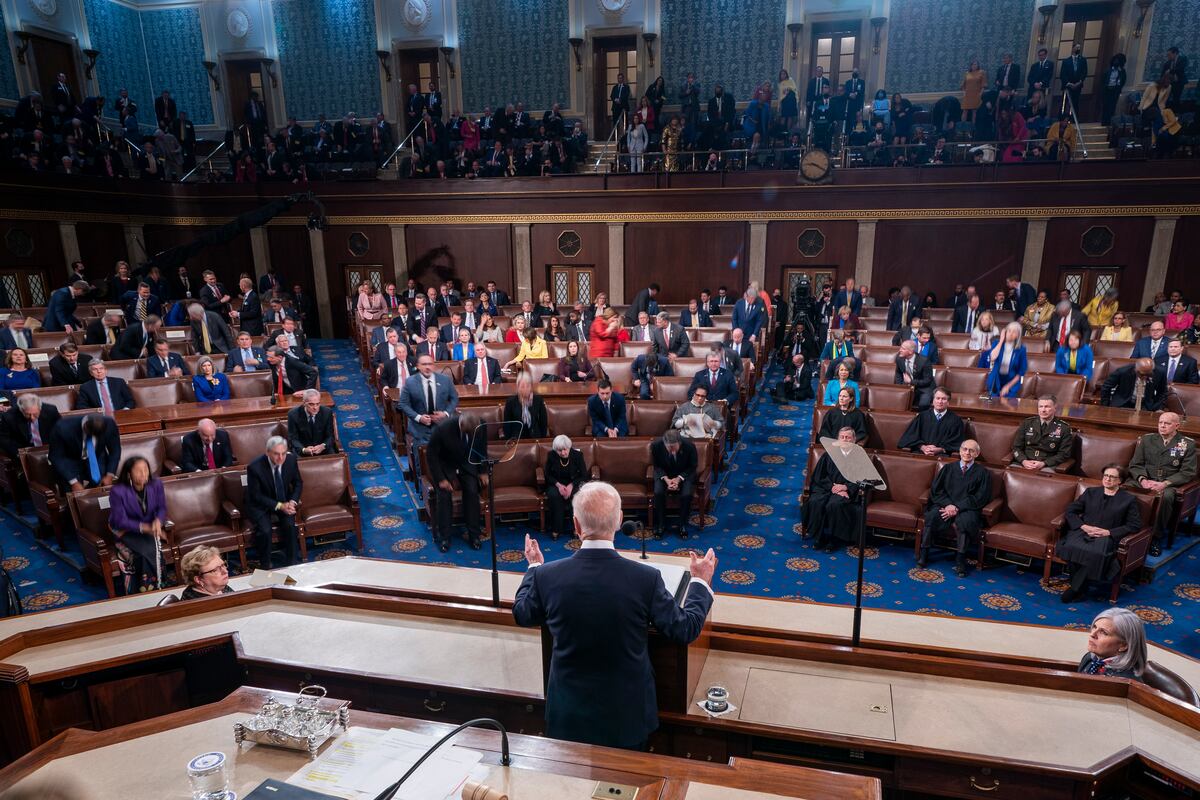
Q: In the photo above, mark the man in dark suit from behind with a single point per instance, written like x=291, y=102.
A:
x=85, y=451
x=1141, y=386
x=69, y=367
x=28, y=424
x=310, y=427
x=449, y=455
x=273, y=488
x=205, y=448
x=598, y=607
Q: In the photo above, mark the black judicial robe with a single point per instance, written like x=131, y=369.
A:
x=836, y=419
x=968, y=491
x=826, y=507
x=1119, y=514
x=925, y=428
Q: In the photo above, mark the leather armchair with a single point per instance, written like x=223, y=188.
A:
x=451, y=369
x=1097, y=449
x=958, y=359
x=218, y=359
x=248, y=441
x=673, y=388
x=650, y=417
x=89, y=510
x=1031, y=517
x=250, y=384
x=151, y=447
x=161, y=392
x=49, y=504
x=198, y=513
x=901, y=506
x=625, y=463
x=537, y=368
x=968, y=381
x=995, y=440
x=328, y=503
x=887, y=396
x=1164, y=680
x=633, y=349
x=571, y=419
x=429, y=496
x=520, y=484
x=884, y=428
x=1069, y=389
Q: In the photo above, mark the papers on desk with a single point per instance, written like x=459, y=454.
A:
x=261, y=577
x=675, y=577
x=363, y=762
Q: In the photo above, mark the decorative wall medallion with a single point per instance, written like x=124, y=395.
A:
x=1097, y=241
x=237, y=22
x=358, y=244
x=569, y=244
x=417, y=13
x=46, y=8
x=811, y=242
x=613, y=8
x=18, y=242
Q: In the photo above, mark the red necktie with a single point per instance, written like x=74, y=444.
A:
x=1062, y=332
x=483, y=376
x=280, y=370
x=105, y=399
x=712, y=378
x=208, y=456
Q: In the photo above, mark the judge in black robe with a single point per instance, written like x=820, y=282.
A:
x=967, y=486
x=1101, y=508
x=824, y=507
x=837, y=418
x=926, y=430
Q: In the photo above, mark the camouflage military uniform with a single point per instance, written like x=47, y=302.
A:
x=1050, y=443
x=1173, y=461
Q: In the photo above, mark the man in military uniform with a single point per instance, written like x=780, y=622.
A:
x=1043, y=442
x=1161, y=462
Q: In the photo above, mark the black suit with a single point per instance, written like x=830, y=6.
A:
x=439, y=351
x=15, y=430
x=97, y=334
x=1008, y=77
x=302, y=433
x=1186, y=372
x=1041, y=72
x=153, y=306
x=922, y=379
x=1074, y=70
x=118, y=391
x=449, y=460
x=210, y=297
x=899, y=315
x=165, y=112
x=960, y=324
x=262, y=495
x=250, y=315
x=193, y=458
x=471, y=371
x=1120, y=384
x=299, y=375
x=219, y=336
x=67, y=451
x=61, y=373
x=538, y=423
x=967, y=491
x=681, y=465
x=597, y=606
x=620, y=98
x=132, y=343
x=1176, y=72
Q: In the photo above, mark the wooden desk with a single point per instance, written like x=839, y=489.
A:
x=100, y=763
x=1087, y=415
x=230, y=412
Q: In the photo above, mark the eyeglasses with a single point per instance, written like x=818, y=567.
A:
x=1111, y=476
x=222, y=567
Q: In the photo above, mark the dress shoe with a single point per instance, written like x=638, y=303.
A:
x=960, y=569
x=1156, y=549
x=1069, y=595
x=554, y=535
x=683, y=532
x=830, y=547
x=921, y=560
x=444, y=545
x=474, y=543
x=658, y=533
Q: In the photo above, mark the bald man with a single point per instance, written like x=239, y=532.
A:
x=1141, y=386
x=1161, y=462
x=205, y=448
x=957, y=497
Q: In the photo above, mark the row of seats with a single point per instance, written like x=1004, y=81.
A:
x=206, y=509
x=1136, y=319
x=149, y=392
x=178, y=336
x=960, y=341
x=1025, y=516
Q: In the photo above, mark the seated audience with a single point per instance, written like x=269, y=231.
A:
x=532, y=346
x=1066, y=319
x=449, y=333
x=915, y=371
x=797, y=381
x=204, y=574
x=846, y=414
x=740, y=348
x=396, y=369
x=433, y=345
x=1180, y=368
x=606, y=410
x=1153, y=346
x=464, y=346
x=17, y=373
x=481, y=370
x=210, y=334
x=370, y=304
x=1037, y=316
x=838, y=347
x=1117, y=330
x=273, y=489
x=555, y=332
x=956, y=499
x=1044, y=441
x=647, y=366
x=1007, y=362
x=1075, y=358
x=694, y=316
x=310, y=427
x=1141, y=386
x=452, y=467
x=842, y=378
x=102, y=392
x=1162, y=462
x=488, y=332
x=137, y=340
x=699, y=405
x=720, y=380
x=927, y=345
x=935, y=431
x=28, y=423
x=575, y=366
x=984, y=336
x=527, y=408
x=847, y=322
x=70, y=366
x=675, y=462
x=565, y=472
x=245, y=357
x=14, y=334
x=1179, y=320
x=1116, y=645
x=1097, y=520
x=902, y=309
x=911, y=331
x=290, y=375
x=164, y=363
x=832, y=501
x=966, y=314
x=137, y=514
x=209, y=385
x=205, y=448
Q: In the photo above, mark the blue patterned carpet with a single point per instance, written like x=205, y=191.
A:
x=753, y=528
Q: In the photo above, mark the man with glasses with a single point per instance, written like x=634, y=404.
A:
x=956, y=500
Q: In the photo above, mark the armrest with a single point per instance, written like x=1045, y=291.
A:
x=1135, y=546
x=1189, y=495
x=1058, y=521
x=991, y=512
x=171, y=467
x=923, y=498
x=1065, y=467
x=103, y=541
x=595, y=472
x=231, y=511
x=351, y=496
x=650, y=478
x=539, y=474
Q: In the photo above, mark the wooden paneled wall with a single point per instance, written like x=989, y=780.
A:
x=1130, y=252
x=684, y=258
x=933, y=256
x=841, y=248
x=593, y=252
x=460, y=253
x=1183, y=273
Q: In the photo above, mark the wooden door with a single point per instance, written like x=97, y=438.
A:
x=613, y=56
x=1084, y=283
x=22, y=287
x=1094, y=27
x=572, y=284
x=417, y=67
x=50, y=57
x=835, y=49
x=244, y=77
x=817, y=275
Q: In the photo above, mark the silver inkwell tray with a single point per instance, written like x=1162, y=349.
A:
x=303, y=726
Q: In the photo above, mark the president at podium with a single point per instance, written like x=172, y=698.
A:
x=598, y=606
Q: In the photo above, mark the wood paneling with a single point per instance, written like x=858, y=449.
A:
x=594, y=252
x=101, y=246
x=841, y=248
x=461, y=253
x=45, y=248
x=933, y=256
x=291, y=254
x=228, y=260
x=1184, y=270
x=684, y=258
x=338, y=255
x=1130, y=251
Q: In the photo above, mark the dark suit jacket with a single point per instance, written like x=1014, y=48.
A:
x=471, y=371
x=154, y=367
x=1072, y=71
x=969, y=491
x=702, y=319
x=1141, y=349
x=260, y=486
x=390, y=374
x=620, y=97
x=726, y=388
x=96, y=334
x=1187, y=371
x=210, y=298
x=1041, y=72
x=448, y=456
x=598, y=607
x=301, y=434
x=250, y=316
x=9, y=342
x=129, y=306
x=925, y=429
x=960, y=319
x=118, y=390
x=1119, y=385
x=129, y=343
x=1078, y=322
x=299, y=375
x=682, y=465
x=165, y=110
x=600, y=421
x=192, y=458
x=218, y=333
x=66, y=450
x=234, y=359
x=922, y=381
x=61, y=373
x=1014, y=77
x=539, y=424
x=61, y=310
x=14, y=429
x=727, y=113
x=439, y=351
x=896, y=320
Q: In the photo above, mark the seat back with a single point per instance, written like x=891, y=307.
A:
x=249, y=441
x=953, y=341
x=1034, y=498
x=617, y=370
x=623, y=460
x=1112, y=349
x=570, y=419
x=884, y=428
x=127, y=371
x=887, y=396
x=650, y=417
x=673, y=388
x=707, y=336
x=1040, y=362
x=1068, y=389
x=995, y=440
x=325, y=479
x=233, y=485
x=907, y=477
x=539, y=367
x=91, y=509
x=451, y=369
x=158, y=392
x=1189, y=397
x=251, y=384
x=688, y=367
x=149, y=446
x=194, y=501
x=967, y=381
x=878, y=374
x=503, y=352
x=61, y=397
x=521, y=469
x=958, y=359
x=45, y=339
x=218, y=359
x=1097, y=449
x=1156, y=676
x=634, y=349
x=878, y=355
x=35, y=462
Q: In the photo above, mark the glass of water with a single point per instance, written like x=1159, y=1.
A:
x=207, y=778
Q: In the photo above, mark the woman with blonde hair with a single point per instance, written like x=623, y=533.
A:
x=1008, y=363
x=1118, y=329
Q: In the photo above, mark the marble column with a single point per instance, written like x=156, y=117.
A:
x=616, y=263
x=316, y=242
x=400, y=255
x=1035, y=244
x=70, y=242
x=135, y=247
x=1160, y=258
x=757, y=266
x=864, y=259
x=522, y=262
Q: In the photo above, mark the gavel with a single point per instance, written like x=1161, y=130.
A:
x=479, y=791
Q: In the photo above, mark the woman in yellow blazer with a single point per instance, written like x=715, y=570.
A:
x=1100, y=309
x=532, y=346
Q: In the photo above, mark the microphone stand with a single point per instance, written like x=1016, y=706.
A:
x=490, y=463
x=863, y=488
x=505, y=758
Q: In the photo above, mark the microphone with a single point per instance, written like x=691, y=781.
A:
x=632, y=528
x=505, y=759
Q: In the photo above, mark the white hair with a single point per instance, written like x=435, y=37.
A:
x=597, y=510
x=309, y=394
x=274, y=442
x=561, y=441
x=1128, y=627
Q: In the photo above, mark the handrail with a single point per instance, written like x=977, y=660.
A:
x=1068, y=103
x=207, y=158
x=612, y=137
x=407, y=139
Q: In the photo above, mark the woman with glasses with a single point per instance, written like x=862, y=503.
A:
x=1097, y=520
x=204, y=573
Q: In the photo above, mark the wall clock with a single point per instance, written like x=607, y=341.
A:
x=613, y=7
x=237, y=22
x=814, y=167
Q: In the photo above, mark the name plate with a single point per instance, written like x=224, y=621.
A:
x=104, y=502
x=39, y=358
x=176, y=335
x=116, y=311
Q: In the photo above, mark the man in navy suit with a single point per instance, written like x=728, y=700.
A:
x=695, y=316
x=137, y=340
x=28, y=417
x=140, y=304
x=497, y=297
x=273, y=487
x=718, y=380
x=164, y=363
x=60, y=313
x=85, y=451
x=205, y=448
x=271, y=282
x=1154, y=346
x=606, y=409
x=850, y=296
x=14, y=335
x=397, y=368
x=902, y=310
x=1023, y=294
x=749, y=315
x=250, y=315
x=1180, y=367
x=474, y=376
x=102, y=392
x=245, y=357
x=598, y=607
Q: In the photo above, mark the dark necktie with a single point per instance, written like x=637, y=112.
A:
x=279, y=493
x=35, y=435
x=1171, y=371
x=429, y=397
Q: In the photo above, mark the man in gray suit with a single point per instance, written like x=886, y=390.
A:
x=668, y=338
x=427, y=398
x=210, y=334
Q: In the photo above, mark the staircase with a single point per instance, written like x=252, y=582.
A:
x=1095, y=138
x=605, y=151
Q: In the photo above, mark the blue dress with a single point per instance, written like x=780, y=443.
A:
x=833, y=389
x=1017, y=366
x=13, y=380
x=206, y=392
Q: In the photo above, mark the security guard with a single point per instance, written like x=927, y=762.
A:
x=1043, y=442
x=1161, y=462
